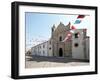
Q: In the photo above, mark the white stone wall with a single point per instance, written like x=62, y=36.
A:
x=78, y=51
x=87, y=48
x=40, y=49
x=50, y=48
x=44, y=49
x=33, y=50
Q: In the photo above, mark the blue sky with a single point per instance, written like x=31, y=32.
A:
x=38, y=25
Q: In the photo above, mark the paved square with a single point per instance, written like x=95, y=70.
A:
x=42, y=62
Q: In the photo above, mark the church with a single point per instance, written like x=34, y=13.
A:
x=76, y=46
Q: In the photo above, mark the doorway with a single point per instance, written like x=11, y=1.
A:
x=60, y=52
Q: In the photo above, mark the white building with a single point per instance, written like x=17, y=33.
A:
x=50, y=48
x=40, y=49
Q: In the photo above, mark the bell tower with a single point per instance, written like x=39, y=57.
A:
x=79, y=44
x=52, y=30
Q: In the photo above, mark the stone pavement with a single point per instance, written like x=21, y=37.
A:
x=41, y=61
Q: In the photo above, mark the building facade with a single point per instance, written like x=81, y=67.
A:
x=57, y=36
x=40, y=49
x=77, y=47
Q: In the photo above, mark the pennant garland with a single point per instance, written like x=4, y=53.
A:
x=73, y=27
x=68, y=37
x=77, y=22
x=79, y=19
x=80, y=16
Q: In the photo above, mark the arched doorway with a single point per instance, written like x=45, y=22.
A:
x=60, y=52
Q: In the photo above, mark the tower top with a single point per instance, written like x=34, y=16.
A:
x=53, y=26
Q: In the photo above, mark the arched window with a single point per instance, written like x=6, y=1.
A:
x=60, y=38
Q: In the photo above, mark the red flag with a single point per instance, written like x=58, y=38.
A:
x=81, y=16
x=73, y=28
x=68, y=37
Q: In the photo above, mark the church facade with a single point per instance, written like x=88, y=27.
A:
x=57, y=36
x=76, y=47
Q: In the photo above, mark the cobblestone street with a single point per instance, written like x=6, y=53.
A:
x=40, y=61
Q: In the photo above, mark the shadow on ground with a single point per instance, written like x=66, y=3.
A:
x=53, y=59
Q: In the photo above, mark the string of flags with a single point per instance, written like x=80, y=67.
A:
x=80, y=16
x=78, y=21
x=68, y=36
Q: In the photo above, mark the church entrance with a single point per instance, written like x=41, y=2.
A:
x=60, y=52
